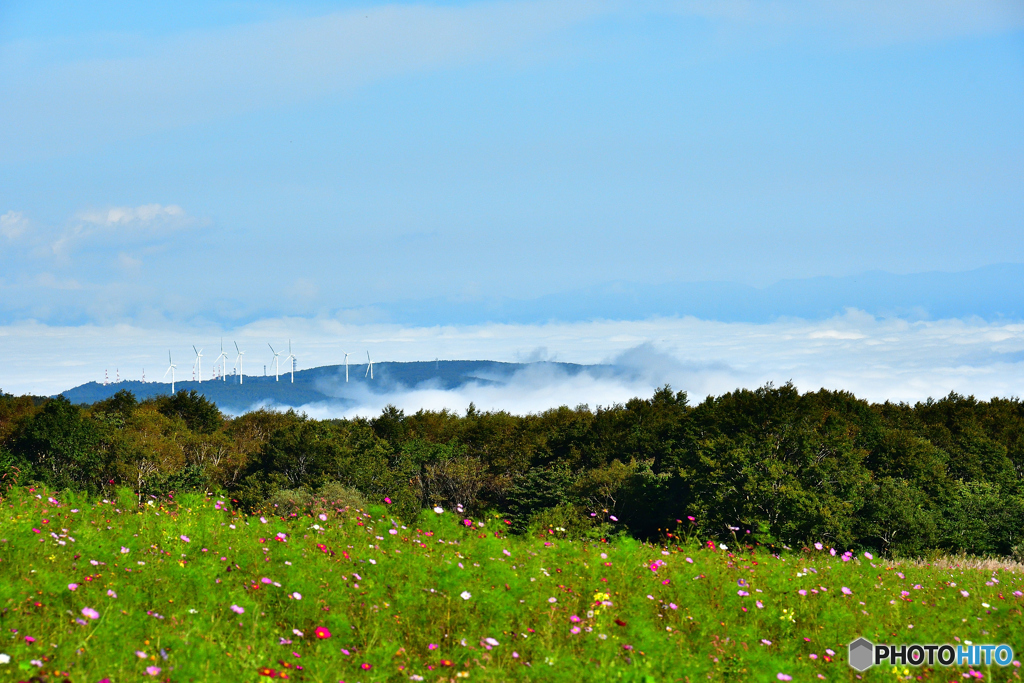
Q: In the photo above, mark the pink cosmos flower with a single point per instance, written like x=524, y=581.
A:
x=388, y=501
x=869, y=556
x=574, y=630
x=90, y=613
x=322, y=632
x=817, y=546
x=783, y=677
x=847, y=591
x=574, y=619
x=467, y=522
x=153, y=670
x=237, y=610
x=111, y=593
x=965, y=594
x=184, y=538
x=365, y=666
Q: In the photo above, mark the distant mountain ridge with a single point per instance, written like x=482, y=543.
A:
x=993, y=292
x=327, y=383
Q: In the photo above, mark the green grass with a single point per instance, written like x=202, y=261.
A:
x=394, y=602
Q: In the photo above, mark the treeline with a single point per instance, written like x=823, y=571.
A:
x=769, y=466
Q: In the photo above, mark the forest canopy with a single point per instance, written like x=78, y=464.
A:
x=770, y=466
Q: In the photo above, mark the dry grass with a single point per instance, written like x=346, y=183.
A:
x=988, y=564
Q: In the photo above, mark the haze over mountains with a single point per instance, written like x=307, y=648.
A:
x=994, y=292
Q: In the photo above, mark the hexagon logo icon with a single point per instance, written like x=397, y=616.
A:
x=862, y=654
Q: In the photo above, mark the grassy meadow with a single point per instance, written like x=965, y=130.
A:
x=193, y=590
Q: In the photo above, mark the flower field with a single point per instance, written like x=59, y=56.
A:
x=196, y=591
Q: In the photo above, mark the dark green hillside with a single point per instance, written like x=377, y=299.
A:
x=327, y=383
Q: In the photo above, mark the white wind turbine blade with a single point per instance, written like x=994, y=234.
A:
x=277, y=372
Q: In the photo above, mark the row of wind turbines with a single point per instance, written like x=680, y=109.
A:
x=197, y=365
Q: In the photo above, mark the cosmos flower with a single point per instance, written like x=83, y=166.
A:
x=184, y=538
x=783, y=677
x=847, y=591
x=438, y=509
x=465, y=595
x=492, y=642
x=322, y=632
x=153, y=670
x=237, y=610
x=72, y=586
x=90, y=613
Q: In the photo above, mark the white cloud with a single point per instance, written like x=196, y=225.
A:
x=51, y=281
x=121, y=225
x=146, y=214
x=13, y=224
x=875, y=20
x=202, y=75
x=877, y=359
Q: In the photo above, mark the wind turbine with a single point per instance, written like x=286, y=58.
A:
x=170, y=370
x=277, y=377
x=225, y=357
x=346, y=366
x=291, y=359
x=241, y=375
x=198, y=365
x=369, y=366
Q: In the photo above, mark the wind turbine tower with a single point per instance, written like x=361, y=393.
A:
x=198, y=366
x=223, y=367
x=369, y=366
x=241, y=375
x=170, y=369
x=291, y=359
x=277, y=370
x=346, y=367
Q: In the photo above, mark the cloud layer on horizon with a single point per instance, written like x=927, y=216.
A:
x=876, y=359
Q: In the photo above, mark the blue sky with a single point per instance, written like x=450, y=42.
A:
x=321, y=159
x=214, y=165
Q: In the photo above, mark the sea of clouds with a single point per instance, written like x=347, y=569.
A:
x=875, y=358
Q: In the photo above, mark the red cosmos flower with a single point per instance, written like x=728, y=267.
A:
x=267, y=671
x=620, y=622
x=365, y=666
x=322, y=632
x=446, y=662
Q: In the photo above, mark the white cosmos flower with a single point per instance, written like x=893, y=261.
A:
x=466, y=595
x=438, y=509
